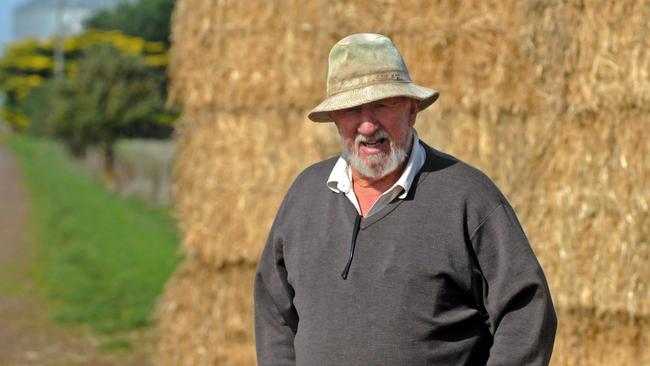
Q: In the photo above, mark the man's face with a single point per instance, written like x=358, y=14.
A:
x=376, y=136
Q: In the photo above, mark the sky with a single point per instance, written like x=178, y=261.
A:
x=6, y=14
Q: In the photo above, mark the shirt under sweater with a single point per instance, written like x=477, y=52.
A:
x=340, y=179
x=443, y=277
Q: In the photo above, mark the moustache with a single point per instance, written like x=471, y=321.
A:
x=378, y=136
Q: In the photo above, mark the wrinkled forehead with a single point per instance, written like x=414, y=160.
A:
x=394, y=105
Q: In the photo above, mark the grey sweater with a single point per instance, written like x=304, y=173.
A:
x=443, y=277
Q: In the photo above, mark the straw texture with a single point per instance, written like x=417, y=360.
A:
x=550, y=99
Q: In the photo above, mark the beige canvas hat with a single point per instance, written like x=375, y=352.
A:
x=363, y=68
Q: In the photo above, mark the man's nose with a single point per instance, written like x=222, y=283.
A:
x=367, y=128
x=368, y=124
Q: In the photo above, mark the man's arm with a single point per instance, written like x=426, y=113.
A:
x=515, y=293
x=276, y=320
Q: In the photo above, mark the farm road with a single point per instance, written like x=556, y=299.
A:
x=27, y=336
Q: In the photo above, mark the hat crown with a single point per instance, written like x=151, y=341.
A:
x=364, y=59
x=364, y=68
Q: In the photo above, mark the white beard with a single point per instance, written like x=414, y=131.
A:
x=379, y=165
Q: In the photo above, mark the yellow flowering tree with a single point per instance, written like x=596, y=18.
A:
x=27, y=64
x=111, y=95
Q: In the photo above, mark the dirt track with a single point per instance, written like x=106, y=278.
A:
x=27, y=336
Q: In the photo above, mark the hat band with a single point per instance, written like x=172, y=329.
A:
x=336, y=86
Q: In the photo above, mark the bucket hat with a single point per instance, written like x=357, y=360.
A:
x=363, y=68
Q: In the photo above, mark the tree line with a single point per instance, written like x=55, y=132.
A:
x=114, y=83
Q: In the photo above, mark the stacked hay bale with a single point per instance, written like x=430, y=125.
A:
x=548, y=98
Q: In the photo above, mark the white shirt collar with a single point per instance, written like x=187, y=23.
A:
x=340, y=179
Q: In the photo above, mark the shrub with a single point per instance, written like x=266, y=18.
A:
x=39, y=105
x=111, y=95
x=26, y=64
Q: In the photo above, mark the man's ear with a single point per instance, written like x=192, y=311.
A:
x=413, y=111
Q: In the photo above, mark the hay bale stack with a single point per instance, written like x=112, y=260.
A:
x=549, y=98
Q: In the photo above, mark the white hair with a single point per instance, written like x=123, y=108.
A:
x=380, y=165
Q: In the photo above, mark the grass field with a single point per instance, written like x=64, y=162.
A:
x=101, y=260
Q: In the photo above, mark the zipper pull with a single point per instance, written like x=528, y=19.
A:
x=355, y=232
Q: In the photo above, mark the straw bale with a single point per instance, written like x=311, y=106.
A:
x=234, y=170
x=250, y=54
x=586, y=337
x=593, y=53
x=207, y=312
x=591, y=187
x=549, y=98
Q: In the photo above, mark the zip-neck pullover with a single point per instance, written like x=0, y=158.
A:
x=443, y=277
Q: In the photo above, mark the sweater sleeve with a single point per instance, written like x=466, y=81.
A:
x=515, y=294
x=276, y=320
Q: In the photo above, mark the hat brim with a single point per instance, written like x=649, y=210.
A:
x=371, y=93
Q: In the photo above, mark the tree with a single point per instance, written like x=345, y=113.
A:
x=39, y=106
x=23, y=66
x=27, y=64
x=111, y=95
x=148, y=19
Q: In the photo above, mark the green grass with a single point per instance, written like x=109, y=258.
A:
x=101, y=260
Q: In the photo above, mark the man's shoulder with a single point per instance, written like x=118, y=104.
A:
x=452, y=173
x=321, y=169
x=317, y=172
x=314, y=177
x=309, y=188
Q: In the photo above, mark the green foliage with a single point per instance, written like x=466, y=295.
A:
x=27, y=64
x=40, y=106
x=149, y=19
x=102, y=260
x=110, y=94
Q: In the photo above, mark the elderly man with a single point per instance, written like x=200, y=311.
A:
x=395, y=253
